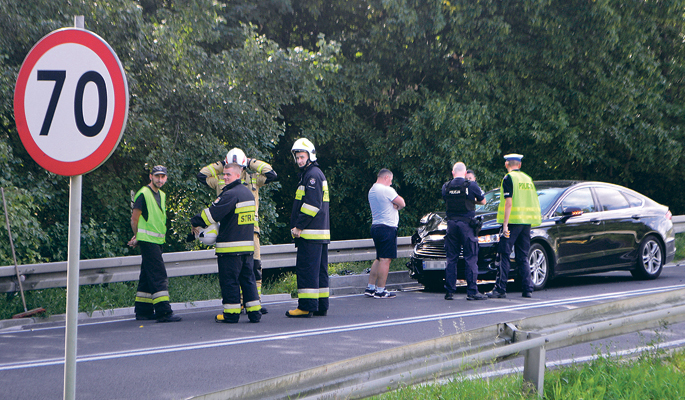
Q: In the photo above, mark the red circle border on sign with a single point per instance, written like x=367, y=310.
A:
x=116, y=72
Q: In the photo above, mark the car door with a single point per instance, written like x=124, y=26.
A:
x=620, y=224
x=578, y=239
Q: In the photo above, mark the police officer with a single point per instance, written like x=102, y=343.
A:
x=461, y=196
x=148, y=221
x=517, y=213
x=235, y=212
x=310, y=226
x=255, y=175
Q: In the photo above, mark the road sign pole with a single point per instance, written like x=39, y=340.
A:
x=73, y=257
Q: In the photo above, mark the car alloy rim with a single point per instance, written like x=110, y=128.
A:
x=651, y=257
x=538, y=266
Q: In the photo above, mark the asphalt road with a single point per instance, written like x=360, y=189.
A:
x=121, y=358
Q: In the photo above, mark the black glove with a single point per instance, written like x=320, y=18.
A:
x=190, y=237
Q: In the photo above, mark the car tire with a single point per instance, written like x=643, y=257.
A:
x=540, y=267
x=650, y=259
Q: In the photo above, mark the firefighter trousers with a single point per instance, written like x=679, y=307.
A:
x=152, y=296
x=235, y=274
x=312, y=275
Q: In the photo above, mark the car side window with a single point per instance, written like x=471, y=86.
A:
x=611, y=199
x=633, y=200
x=581, y=198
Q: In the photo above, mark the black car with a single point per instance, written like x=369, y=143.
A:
x=587, y=227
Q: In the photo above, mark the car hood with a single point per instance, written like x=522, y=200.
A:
x=436, y=224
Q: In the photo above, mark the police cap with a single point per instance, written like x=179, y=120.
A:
x=513, y=157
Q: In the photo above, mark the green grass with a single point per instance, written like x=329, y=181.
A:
x=650, y=376
x=679, y=247
x=182, y=289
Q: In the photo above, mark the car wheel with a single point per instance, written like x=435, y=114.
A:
x=539, y=265
x=650, y=259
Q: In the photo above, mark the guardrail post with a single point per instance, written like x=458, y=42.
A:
x=534, y=368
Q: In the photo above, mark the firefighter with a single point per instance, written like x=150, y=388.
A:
x=255, y=175
x=310, y=227
x=234, y=210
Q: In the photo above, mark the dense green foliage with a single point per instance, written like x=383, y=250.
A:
x=585, y=90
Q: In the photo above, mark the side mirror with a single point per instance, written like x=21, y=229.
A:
x=570, y=212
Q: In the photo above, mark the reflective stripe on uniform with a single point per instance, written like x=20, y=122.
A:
x=231, y=308
x=307, y=293
x=253, y=306
x=309, y=210
x=160, y=296
x=207, y=217
x=316, y=234
x=213, y=171
x=325, y=191
x=235, y=247
x=151, y=233
x=299, y=193
x=323, y=293
x=245, y=206
x=142, y=297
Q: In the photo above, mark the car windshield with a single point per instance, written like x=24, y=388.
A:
x=546, y=195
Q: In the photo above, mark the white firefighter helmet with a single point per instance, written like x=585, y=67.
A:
x=208, y=235
x=236, y=156
x=304, y=145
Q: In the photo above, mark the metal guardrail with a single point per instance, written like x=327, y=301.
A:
x=122, y=269
x=427, y=361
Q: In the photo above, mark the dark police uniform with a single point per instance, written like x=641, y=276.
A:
x=234, y=210
x=311, y=214
x=460, y=197
x=519, y=232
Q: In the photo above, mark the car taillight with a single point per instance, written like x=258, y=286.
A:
x=668, y=214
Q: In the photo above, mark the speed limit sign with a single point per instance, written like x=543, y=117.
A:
x=71, y=102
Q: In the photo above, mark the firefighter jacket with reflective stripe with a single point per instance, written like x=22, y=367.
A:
x=525, y=205
x=257, y=174
x=152, y=229
x=310, y=208
x=234, y=210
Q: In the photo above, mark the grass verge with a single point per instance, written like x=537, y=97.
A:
x=679, y=246
x=182, y=289
x=652, y=375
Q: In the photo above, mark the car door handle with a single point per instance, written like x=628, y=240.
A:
x=595, y=221
x=635, y=216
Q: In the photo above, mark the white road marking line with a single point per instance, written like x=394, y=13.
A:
x=337, y=329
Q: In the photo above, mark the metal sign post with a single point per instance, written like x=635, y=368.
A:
x=71, y=107
x=73, y=257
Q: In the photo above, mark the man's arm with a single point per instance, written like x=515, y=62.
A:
x=264, y=169
x=135, y=215
x=211, y=175
x=398, y=203
x=507, y=211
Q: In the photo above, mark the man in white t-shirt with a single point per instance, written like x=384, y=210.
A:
x=385, y=204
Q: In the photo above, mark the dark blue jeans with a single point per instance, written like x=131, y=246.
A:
x=519, y=239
